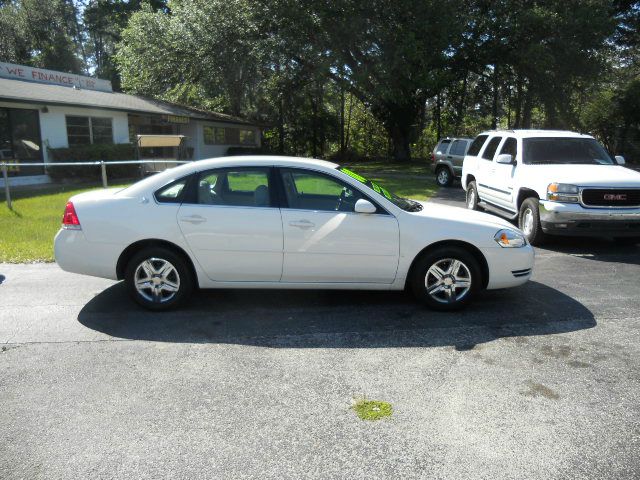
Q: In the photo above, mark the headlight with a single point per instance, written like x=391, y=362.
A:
x=510, y=239
x=562, y=192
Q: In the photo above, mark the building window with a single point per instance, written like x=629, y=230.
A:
x=228, y=136
x=20, y=140
x=248, y=137
x=89, y=130
x=214, y=136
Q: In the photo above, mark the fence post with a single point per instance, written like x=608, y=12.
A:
x=7, y=192
x=103, y=167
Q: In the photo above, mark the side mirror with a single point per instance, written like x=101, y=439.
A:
x=505, y=159
x=620, y=159
x=365, y=206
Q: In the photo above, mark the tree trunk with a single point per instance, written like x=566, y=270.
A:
x=438, y=119
x=400, y=141
x=461, y=104
x=281, y=126
x=494, y=107
x=342, y=144
x=526, y=109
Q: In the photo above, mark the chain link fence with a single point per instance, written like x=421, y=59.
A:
x=4, y=166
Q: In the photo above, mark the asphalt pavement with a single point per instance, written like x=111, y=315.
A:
x=537, y=382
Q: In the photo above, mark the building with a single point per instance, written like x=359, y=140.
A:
x=43, y=109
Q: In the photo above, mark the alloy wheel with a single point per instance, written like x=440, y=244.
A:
x=443, y=176
x=448, y=280
x=156, y=280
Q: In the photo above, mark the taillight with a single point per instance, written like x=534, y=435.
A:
x=70, y=219
x=433, y=157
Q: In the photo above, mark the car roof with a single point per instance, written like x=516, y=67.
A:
x=529, y=133
x=167, y=176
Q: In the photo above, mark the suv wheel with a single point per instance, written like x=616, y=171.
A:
x=472, y=196
x=446, y=279
x=444, y=178
x=158, y=279
x=529, y=221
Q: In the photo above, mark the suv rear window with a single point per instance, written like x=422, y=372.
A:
x=442, y=146
x=475, y=147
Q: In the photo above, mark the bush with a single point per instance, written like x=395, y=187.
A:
x=92, y=153
x=233, y=151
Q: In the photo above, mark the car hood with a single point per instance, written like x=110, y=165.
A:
x=462, y=216
x=586, y=175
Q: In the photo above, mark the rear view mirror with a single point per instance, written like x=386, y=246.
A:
x=505, y=158
x=364, y=206
x=620, y=159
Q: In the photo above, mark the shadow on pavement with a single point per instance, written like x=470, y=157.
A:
x=337, y=319
x=600, y=249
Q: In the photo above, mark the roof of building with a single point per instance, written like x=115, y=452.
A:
x=23, y=91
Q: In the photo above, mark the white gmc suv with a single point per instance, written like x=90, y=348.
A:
x=552, y=182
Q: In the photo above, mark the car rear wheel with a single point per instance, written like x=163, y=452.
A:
x=444, y=177
x=446, y=279
x=529, y=221
x=158, y=278
x=472, y=196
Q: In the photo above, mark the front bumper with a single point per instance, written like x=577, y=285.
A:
x=573, y=219
x=508, y=267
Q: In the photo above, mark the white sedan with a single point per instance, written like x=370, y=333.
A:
x=280, y=222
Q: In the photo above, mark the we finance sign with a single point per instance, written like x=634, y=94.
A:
x=40, y=75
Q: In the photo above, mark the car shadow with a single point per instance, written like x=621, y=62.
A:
x=594, y=248
x=337, y=319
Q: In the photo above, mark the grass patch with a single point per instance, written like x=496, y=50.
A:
x=414, y=167
x=372, y=409
x=27, y=231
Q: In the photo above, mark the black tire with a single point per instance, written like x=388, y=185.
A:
x=444, y=177
x=472, y=196
x=627, y=241
x=440, y=300
x=183, y=274
x=534, y=232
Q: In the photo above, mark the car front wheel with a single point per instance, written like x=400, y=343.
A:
x=446, y=279
x=472, y=196
x=158, y=278
x=529, y=221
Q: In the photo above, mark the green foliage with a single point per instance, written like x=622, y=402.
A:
x=92, y=153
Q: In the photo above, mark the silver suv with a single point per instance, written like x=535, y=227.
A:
x=447, y=157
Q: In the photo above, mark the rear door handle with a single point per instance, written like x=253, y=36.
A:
x=302, y=224
x=193, y=219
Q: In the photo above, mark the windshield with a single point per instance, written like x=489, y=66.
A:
x=404, y=203
x=565, y=151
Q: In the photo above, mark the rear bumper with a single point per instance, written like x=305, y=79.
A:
x=73, y=253
x=575, y=220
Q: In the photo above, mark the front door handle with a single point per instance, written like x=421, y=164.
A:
x=193, y=219
x=302, y=224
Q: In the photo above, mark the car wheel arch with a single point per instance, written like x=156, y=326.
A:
x=523, y=194
x=469, y=179
x=472, y=249
x=135, y=247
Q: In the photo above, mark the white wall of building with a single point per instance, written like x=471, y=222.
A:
x=53, y=125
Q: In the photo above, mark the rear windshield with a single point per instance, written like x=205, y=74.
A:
x=559, y=150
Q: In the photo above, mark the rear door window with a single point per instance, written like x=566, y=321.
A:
x=245, y=187
x=492, y=146
x=477, y=144
x=458, y=147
